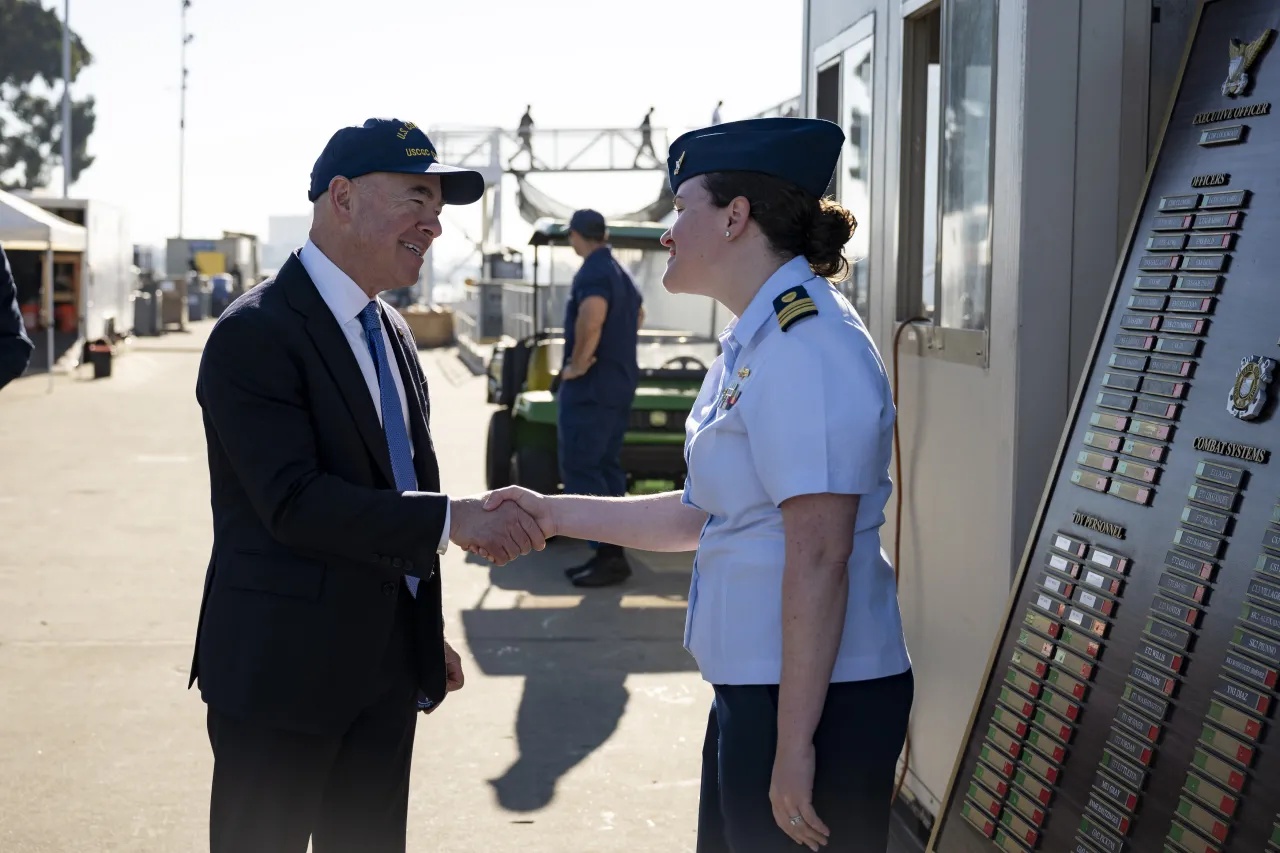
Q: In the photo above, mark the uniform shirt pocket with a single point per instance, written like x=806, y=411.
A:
x=719, y=464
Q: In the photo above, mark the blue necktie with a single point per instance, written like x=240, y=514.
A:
x=392, y=414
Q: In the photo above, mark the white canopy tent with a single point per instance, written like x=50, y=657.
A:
x=26, y=227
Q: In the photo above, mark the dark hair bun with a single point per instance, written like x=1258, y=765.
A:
x=793, y=221
x=829, y=228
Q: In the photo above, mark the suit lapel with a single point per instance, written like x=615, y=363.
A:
x=335, y=351
x=415, y=392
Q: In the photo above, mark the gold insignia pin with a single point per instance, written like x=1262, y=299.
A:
x=679, y=163
x=744, y=372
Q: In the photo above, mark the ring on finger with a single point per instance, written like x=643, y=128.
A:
x=796, y=820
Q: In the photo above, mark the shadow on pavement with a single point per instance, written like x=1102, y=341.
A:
x=574, y=655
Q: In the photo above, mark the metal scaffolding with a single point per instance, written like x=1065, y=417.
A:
x=495, y=152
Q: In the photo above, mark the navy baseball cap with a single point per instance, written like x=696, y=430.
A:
x=803, y=151
x=390, y=145
x=588, y=223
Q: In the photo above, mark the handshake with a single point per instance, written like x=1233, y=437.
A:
x=502, y=524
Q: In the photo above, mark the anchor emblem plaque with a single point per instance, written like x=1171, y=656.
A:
x=1249, y=393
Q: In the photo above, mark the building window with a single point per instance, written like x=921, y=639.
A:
x=843, y=94
x=855, y=171
x=827, y=106
x=948, y=97
x=921, y=119
x=964, y=185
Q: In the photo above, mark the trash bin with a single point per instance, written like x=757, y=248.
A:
x=65, y=318
x=195, y=306
x=100, y=358
x=144, y=314
x=159, y=308
x=221, y=286
x=174, y=303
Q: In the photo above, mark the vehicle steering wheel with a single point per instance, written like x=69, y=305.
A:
x=684, y=362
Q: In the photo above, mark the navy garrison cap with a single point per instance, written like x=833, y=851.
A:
x=800, y=150
x=390, y=145
x=588, y=223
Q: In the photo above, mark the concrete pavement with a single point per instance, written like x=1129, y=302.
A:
x=579, y=729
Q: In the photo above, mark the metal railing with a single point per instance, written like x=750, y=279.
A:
x=553, y=150
x=518, y=316
x=464, y=321
x=490, y=310
x=788, y=108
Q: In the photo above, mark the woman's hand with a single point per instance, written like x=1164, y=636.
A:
x=537, y=506
x=791, y=793
x=648, y=522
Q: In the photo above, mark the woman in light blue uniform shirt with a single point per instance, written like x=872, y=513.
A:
x=793, y=612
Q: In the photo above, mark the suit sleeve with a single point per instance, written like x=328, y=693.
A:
x=253, y=396
x=15, y=346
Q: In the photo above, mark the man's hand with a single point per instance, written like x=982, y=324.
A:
x=454, y=679
x=572, y=371
x=537, y=506
x=502, y=534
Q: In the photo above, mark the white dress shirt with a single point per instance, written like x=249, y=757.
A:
x=346, y=300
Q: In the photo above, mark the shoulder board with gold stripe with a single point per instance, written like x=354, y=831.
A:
x=793, y=306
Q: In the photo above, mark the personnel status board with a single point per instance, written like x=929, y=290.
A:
x=1130, y=703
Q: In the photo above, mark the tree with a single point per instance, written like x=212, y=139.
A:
x=30, y=96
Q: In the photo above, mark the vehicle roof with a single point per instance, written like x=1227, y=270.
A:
x=622, y=235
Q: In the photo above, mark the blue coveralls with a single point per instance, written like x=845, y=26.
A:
x=595, y=407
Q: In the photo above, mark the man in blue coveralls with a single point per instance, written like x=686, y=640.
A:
x=597, y=383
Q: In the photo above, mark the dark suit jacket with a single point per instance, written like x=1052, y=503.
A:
x=310, y=538
x=15, y=346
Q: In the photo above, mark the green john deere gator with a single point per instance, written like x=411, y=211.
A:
x=521, y=447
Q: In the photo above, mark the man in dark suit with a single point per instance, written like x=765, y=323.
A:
x=15, y=346
x=321, y=629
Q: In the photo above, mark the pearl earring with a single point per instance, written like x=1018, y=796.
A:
x=726, y=233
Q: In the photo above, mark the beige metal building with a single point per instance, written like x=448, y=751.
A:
x=995, y=157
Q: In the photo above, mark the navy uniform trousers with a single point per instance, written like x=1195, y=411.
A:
x=590, y=447
x=857, y=742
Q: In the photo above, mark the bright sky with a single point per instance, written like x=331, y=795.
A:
x=270, y=81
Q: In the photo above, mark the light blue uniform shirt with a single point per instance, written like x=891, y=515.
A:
x=813, y=414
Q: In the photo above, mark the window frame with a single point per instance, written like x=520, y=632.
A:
x=913, y=132
x=823, y=57
x=965, y=346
